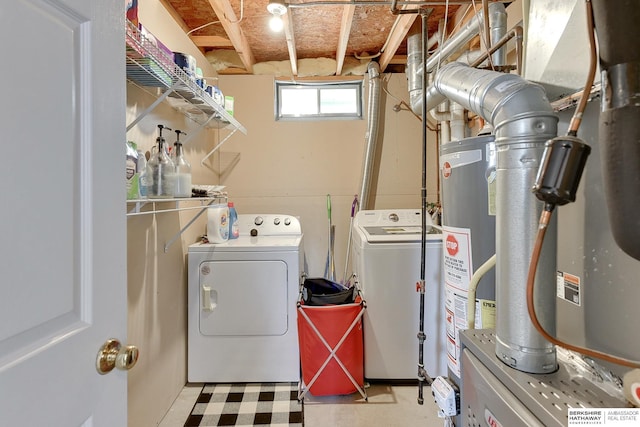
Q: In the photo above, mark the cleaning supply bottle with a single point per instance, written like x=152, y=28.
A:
x=144, y=175
x=218, y=223
x=183, y=168
x=234, y=230
x=132, y=171
x=163, y=171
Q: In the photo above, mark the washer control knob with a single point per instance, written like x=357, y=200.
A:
x=258, y=220
x=276, y=221
x=287, y=221
x=393, y=217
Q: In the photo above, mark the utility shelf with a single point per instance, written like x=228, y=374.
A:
x=135, y=207
x=152, y=69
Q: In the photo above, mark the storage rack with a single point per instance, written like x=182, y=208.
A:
x=152, y=69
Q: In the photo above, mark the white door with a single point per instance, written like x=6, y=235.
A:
x=62, y=223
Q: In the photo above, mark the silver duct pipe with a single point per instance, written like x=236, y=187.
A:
x=523, y=121
x=373, y=116
x=498, y=29
x=497, y=14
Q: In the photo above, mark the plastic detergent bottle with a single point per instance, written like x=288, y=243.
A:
x=218, y=223
x=234, y=230
x=163, y=171
x=183, y=169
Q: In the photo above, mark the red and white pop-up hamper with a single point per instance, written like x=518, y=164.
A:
x=331, y=346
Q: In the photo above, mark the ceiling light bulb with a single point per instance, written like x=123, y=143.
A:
x=276, y=8
x=276, y=24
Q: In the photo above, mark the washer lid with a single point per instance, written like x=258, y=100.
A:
x=394, y=225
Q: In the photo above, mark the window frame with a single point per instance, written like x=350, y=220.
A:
x=357, y=84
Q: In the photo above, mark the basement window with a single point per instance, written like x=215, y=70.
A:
x=318, y=100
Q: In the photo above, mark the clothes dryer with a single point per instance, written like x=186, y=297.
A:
x=386, y=256
x=242, y=303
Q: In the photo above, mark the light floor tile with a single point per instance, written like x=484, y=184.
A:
x=387, y=406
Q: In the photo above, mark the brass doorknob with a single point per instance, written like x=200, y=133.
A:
x=113, y=355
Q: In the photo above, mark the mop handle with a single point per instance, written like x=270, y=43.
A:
x=354, y=205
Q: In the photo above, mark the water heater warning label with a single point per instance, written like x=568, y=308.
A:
x=568, y=287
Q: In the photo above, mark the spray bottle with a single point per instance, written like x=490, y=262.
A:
x=183, y=169
x=163, y=171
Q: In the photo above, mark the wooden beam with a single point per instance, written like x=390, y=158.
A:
x=227, y=18
x=401, y=28
x=398, y=60
x=212, y=41
x=343, y=40
x=287, y=20
x=175, y=15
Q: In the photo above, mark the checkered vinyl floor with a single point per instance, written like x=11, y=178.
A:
x=252, y=404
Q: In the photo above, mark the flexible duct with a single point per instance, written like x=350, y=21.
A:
x=618, y=34
x=523, y=121
x=373, y=115
x=497, y=21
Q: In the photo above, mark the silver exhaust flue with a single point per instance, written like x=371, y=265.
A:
x=523, y=120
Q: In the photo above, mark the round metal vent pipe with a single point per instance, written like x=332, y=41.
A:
x=373, y=117
x=523, y=121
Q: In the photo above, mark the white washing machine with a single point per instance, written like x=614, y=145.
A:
x=242, y=303
x=386, y=259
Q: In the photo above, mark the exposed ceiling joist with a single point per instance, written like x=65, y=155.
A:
x=291, y=43
x=216, y=42
x=227, y=17
x=400, y=29
x=343, y=40
x=175, y=15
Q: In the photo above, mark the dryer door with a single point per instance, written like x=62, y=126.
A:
x=243, y=298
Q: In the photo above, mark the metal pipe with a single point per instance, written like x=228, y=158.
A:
x=523, y=121
x=423, y=375
x=458, y=122
x=514, y=32
x=373, y=116
x=452, y=45
x=485, y=25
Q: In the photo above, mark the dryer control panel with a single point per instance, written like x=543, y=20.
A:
x=269, y=225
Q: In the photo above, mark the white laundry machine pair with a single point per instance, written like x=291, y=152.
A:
x=386, y=260
x=242, y=303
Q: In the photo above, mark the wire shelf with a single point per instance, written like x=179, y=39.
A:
x=151, y=67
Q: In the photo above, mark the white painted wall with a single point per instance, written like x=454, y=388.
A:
x=282, y=167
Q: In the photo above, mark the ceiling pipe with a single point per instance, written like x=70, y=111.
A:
x=523, y=121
